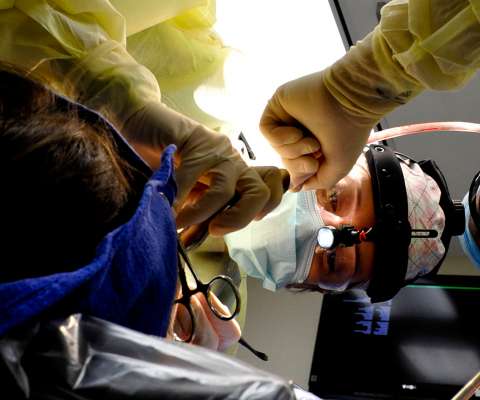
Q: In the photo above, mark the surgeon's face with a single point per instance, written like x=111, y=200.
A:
x=350, y=202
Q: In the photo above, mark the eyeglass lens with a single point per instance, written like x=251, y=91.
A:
x=223, y=298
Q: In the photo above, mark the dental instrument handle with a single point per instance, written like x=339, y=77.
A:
x=259, y=354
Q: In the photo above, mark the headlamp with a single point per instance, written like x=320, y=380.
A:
x=329, y=237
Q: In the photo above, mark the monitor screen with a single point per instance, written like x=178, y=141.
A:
x=423, y=344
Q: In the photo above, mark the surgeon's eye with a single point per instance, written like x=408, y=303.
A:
x=333, y=199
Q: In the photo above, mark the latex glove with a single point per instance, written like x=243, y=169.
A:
x=210, y=331
x=207, y=157
x=318, y=141
x=277, y=180
x=338, y=107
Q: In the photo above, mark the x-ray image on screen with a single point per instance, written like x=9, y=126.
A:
x=425, y=343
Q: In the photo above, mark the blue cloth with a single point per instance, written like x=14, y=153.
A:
x=132, y=279
x=467, y=241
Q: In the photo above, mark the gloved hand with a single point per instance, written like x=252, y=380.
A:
x=277, y=180
x=318, y=141
x=332, y=112
x=207, y=157
x=210, y=331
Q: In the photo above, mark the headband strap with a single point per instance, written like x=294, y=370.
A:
x=393, y=230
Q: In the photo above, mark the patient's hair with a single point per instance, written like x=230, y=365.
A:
x=63, y=185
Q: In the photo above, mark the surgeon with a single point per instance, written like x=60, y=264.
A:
x=320, y=123
x=385, y=224
x=80, y=50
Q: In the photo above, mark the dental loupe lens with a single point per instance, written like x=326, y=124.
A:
x=325, y=238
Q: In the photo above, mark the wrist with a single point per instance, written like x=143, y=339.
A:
x=156, y=125
x=368, y=82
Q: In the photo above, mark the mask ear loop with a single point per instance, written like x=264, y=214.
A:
x=417, y=129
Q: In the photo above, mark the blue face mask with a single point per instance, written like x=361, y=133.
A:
x=467, y=241
x=279, y=249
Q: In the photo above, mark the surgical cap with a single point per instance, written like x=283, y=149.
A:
x=424, y=212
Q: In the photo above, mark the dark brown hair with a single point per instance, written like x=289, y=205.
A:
x=63, y=185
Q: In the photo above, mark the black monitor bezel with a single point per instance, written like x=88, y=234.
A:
x=434, y=391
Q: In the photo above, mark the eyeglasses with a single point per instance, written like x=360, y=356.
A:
x=220, y=286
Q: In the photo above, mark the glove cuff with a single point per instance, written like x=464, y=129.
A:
x=367, y=82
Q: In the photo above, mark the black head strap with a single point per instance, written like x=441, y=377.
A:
x=393, y=231
x=391, y=208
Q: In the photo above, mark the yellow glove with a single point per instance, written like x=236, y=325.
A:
x=318, y=141
x=332, y=113
x=206, y=157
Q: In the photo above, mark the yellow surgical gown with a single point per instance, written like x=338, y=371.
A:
x=418, y=44
x=80, y=49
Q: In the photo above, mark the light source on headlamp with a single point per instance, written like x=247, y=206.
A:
x=330, y=237
x=326, y=237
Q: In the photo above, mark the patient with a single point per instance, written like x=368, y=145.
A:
x=403, y=196
x=86, y=227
